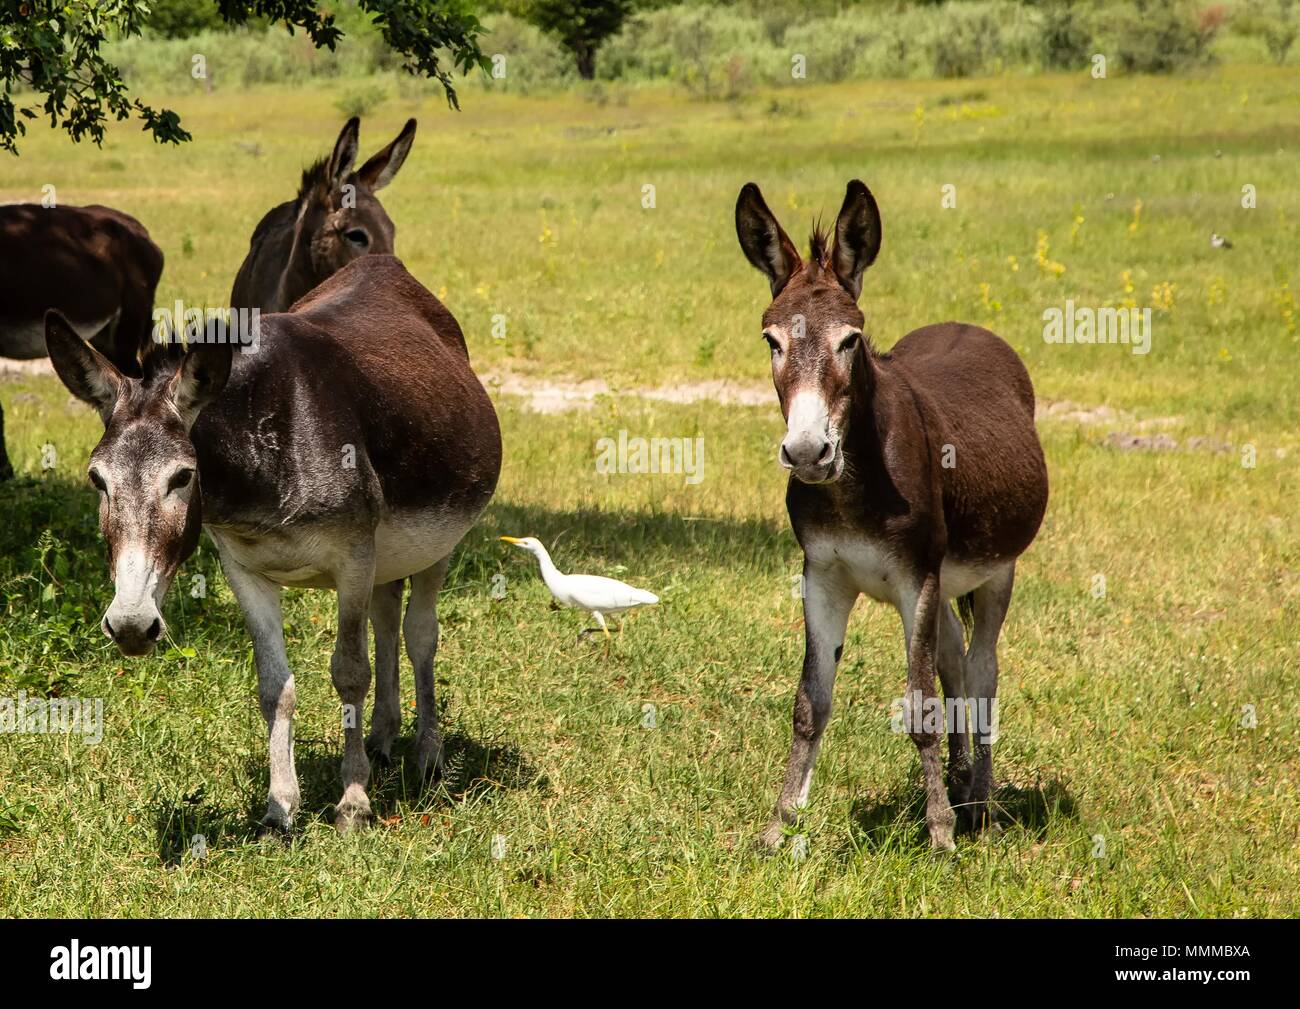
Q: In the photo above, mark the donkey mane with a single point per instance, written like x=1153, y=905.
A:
x=314, y=178
x=819, y=245
x=159, y=360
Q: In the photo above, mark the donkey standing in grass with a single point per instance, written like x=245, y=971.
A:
x=916, y=478
x=334, y=219
x=96, y=265
x=353, y=449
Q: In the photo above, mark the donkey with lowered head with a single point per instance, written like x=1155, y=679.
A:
x=916, y=478
x=303, y=479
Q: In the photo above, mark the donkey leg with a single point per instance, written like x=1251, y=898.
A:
x=991, y=602
x=386, y=719
x=951, y=658
x=421, y=631
x=350, y=672
x=260, y=601
x=828, y=600
x=922, y=647
x=6, y=467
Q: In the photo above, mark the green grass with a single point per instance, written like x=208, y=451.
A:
x=1120, y=717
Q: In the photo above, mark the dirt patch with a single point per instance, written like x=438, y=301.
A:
x=41, y=366
x=559, y=396
x=1126, y=442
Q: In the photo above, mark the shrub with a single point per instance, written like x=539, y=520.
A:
x=1164, y=36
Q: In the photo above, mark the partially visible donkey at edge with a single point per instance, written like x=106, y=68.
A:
x=334, y=219
x=328, y=459
x=916, y=478
x=96, y=265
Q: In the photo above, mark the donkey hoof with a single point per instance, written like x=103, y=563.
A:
x=350, y=819
x=429, y=761
x=378, y=754
x=352, y=823
x=274, y=829
x=769, y=842
x=941, y=834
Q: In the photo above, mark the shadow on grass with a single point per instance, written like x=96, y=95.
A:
x=896, y=821
x=190, y=827
x=475, y=771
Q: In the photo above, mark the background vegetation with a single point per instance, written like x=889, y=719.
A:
x=1123, y=717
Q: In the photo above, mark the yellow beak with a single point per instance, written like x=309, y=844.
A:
x=511, y=539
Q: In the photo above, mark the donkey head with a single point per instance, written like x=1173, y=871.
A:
x=144, y=467
x=339, y=216
x=814, y=325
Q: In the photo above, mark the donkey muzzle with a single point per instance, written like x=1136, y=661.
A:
x=134, y=629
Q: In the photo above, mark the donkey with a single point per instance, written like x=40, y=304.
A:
x=334, y=219
x=96, y=265
x=302, y=480
x=916, y=478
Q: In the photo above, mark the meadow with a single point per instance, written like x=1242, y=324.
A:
x=1147, y=760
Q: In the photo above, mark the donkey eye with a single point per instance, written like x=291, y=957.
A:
x=850, y=341
x=98, y=481
x=180, y=479
x=357, y=237
x=772, y=343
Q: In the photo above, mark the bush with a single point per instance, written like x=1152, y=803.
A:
x=965, y=42
x=179, y=19
x=1065, y=37
x=1164, y=36
x=1275, y=23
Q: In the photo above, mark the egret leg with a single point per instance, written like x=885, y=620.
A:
x=600, y=619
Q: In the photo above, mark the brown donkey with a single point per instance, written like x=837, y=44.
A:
x=302, y=479
x=916, y=478
x=95, y=265
x=334, y=219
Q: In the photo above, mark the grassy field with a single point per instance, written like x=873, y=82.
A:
x=1121, y=716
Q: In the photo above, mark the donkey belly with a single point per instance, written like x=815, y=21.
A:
x=872, y=569
x=25, y=341
x=414, y=541
x=315, y=555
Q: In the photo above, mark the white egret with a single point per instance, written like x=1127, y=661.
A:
x=599, y=596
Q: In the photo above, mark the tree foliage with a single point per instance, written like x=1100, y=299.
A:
x=52, y=67
x=579, y=25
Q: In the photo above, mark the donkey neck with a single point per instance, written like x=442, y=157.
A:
x=299, y=273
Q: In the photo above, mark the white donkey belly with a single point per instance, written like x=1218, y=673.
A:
x=25, y=341
x=874, y=571
x=316, y=556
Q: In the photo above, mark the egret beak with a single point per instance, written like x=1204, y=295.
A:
x=511, y=539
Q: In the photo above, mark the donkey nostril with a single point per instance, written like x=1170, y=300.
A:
x=828, y=453
x=109, y=627
x=154, y=630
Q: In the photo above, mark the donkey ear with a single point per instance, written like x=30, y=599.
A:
x=762, y=239
x=380, y=169
x=87, y=373
x=199, y=380
x=345, y=152
x=857, y=237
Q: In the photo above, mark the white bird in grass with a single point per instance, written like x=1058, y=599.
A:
x=599, y=596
